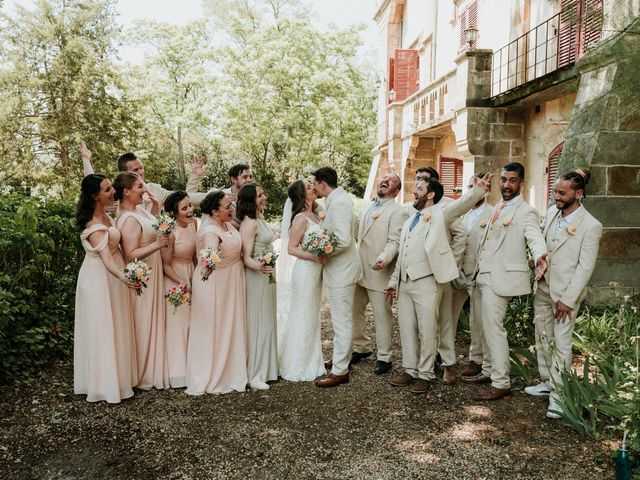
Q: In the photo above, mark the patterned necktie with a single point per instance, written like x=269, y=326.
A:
x=415, y=221
x=496, y=214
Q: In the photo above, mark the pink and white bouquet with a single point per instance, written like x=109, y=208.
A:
x=268, y=258
x=178, y=295
x=164, y=224
x=320, y=243
x=138, y=272
x=209, y=258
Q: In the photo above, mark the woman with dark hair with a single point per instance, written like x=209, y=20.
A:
x=140, y=241
x=299, y=347
x=257, y=237
x=178, y=263
x=217, y=350
x=104, y=366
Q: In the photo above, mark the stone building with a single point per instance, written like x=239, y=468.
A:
x=469, y=85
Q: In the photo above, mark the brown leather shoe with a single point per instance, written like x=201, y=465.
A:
x=402, y=380
x=480, y=378
x=472, y=369
x=332, y=380
x=328, y=364
x=449, y=376
x=492, y=394
x=420, y=386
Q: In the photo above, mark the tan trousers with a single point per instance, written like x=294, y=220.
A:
x=553, y=339
x=495, y=346
x=475, y=320
x=382, y=318
x=341, y=307
x=417, y=318
x=447, y=327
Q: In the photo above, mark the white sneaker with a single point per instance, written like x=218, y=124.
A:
x=539, y=390
x=554, y=410
x=259, y=386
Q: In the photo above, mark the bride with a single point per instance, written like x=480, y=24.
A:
x=299, y=347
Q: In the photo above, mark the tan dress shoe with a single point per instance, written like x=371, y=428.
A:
x=449, y=376
x=332, y=380
x=492, y=394
x=472, y=369
x=420, y=386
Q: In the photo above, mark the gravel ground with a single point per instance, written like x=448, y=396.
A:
x=363, y=430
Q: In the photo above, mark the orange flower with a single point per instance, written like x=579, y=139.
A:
x=506, y=222
x=483, y=223
x=572, y=229
x=328, y=249
x=426, y=217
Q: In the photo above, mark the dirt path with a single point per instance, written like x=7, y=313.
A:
x=364, y=430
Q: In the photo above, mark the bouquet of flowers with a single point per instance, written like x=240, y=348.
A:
x=209, y=258
x=178, y=295
x=268, y=258
x=164, y=224
x=320, y=243
x=139, y=272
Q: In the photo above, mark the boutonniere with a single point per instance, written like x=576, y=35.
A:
x=483, y=223
x=506, y=222
x=375, y=215
x=426, y=217
x=321, y=215
x=571, y=229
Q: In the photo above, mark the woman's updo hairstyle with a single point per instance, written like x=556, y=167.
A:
x=579, y=179
x=89, y=188
x=212, y=202
x=172, y=202
x=124, y=180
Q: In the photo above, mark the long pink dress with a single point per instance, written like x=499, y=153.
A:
x=217, y=350
x=184, y=248
x=104, y=365
x=149, y=312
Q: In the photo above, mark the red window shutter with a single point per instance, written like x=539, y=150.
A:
x=591, y=28
x=405, y=73
x=568, y=32
x=468, y=19
x=552, y=170
x=450, y=170
x=391, y=74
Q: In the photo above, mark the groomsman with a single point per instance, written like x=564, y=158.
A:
x=447, y=322
x=378, y=238
x=239, y=175
x=475, y=221
x=502, y=272
x=128, y=162
x=425, y=262
x=573, y=237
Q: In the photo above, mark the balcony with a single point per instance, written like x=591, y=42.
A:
x=429, y=106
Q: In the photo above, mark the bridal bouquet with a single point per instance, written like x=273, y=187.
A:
x=178, y=295
x=209, y=258
x=138, y=272
x=165, y=224
x=268, y=258
x=320, y=243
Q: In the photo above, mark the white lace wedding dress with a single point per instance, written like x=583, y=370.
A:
x=299, y=348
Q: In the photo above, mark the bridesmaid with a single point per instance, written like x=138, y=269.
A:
x=139, y=241
x=217, y=350
x=262, y=361
x=178, y=263
x=104, y=365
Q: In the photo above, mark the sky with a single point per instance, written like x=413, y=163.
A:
x=339, y=12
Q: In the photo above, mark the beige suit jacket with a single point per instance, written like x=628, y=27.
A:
x=572, y=258
x=434, y=255
x=379, y=239
x=508, y=263
x=474, y=237
x=343, y=267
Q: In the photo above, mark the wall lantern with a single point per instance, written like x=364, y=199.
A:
x=392, y=95
x=471, y=36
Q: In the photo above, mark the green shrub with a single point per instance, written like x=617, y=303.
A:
x=40, y=255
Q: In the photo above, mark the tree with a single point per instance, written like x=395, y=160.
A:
x=292, y=95
x=58, y=84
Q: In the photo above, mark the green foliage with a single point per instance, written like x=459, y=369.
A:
x=519, y=321
x=39, y=258
x=524, y=363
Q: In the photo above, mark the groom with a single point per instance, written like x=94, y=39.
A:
x=341, y=272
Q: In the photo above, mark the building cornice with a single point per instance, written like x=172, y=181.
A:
x=383, y=6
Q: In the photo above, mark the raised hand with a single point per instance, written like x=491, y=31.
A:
x=484, y=182
x=198, y=167
x=84, y=151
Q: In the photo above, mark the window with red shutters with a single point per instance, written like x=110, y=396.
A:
x=552, y=170
x=591, y=24
x=580, y=28
x=405, y=80
x=450, y=170
x=468, y=18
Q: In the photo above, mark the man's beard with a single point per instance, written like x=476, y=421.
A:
x=419, y=203
x=565, y=205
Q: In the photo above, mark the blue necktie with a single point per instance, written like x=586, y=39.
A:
x=415, y=221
